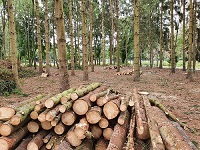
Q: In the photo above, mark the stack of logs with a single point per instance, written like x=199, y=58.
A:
x=91, y=117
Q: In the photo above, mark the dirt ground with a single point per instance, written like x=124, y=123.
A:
x=173, y=90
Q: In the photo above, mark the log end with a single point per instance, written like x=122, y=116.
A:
x=15, y=120
x=80, y=107
x=49, y=103
x=4, y=144
x=93, y=98
x=72, y=139
x=93, y=117
x=32, y=146
x=110, y=110
x=34, y=115
x=5, y=130
x=74, y=96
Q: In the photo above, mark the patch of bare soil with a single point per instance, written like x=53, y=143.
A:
x=174, y=91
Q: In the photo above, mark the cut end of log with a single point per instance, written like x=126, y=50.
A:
x=34, y=115
x=74, y=96
x=93, y=98
x=49, y=103
x=6, y=113
x=32, y=146
x=107, y=133
x=33, y=127
x=80, y=107
x=15, y=120
x=4, y=144
x=5, y=130
x=93, y=117
x=72, y=139
x=110, y=110
x=103, y=123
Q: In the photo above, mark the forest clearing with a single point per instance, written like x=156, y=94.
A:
x=100, y=75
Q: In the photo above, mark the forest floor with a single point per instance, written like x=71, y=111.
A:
x=174, y=91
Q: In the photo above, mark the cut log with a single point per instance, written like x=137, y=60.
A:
x=68, y=118
x=94, y=97
x=118, y=137
x=43, y=148
x=123, y=116
x=109, y=98
x=24, y=143
x=101, y=144
x=42, y=115
x=142, y=126
x=96, y=131
x=48, y=137
x=156, y=140
x=72, y=138
x=170, y=134
x=65, y=99
x=55, y=121
x=52, y=113
x=62, y=145
x=46, y=125
x=87, y=144
x=40, y=104
x=34, y=115
x=124, y=102
x=107, y=133
x=23, y=111
x=33, y=126
x=81, y=128
x=56, y=99
x=37, y=142
x=51, y=142
x=65, y=107
x=94, y=115
x=7, y=143
x=130, y=136
x=133, y=98
x=103, y=123
x=6, y=113
x=60, y=128
x=111, y=108
x=83, y=91
x=6, y=128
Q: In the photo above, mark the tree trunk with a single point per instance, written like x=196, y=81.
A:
x=13, y=42
x=37, y=142
x=161, y=36
x=47, y=38
x=51, y=142
x=62, y=145
x=184, y=58
x=71, y=38
x=42, y=115
x=11, y=141
x=122, y=117
x=84, y=41
x=125, y=102
x=136, y=42
x=39, y=36
x=194, y=48
x=61, y=40
x=91, y=38
x=118, y=36
x=172, y=37
x=103, y=100
x=48, y=137
x=103, y=33
x=112, y=32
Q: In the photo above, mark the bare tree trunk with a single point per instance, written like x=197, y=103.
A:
x=161, y=36
x=103, y=32
x=13, y=45
x=47, y=38
x=118, y=38
x=184, y=67
x=60, y=27
x=194, y=35
x=71, y=37
x=91, y=38
x=39, y=35
x=172, y=37
x=112, y=32
x=4, y=28
x=85, y=55
x=136, y=42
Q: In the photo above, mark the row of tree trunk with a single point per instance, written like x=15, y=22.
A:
x=91, y=117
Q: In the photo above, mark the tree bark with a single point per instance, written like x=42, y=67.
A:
x=51, y=142
x=94, y=97
x=161, y=36
x=61, y=40
x=52, y=113
x=24, y=143
x=184, y=58
x=87, y=144
x=122, y=117
x=124, y=102
x=56, y=119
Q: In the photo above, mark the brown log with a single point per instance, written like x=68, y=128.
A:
x=141, y=122
x=64, y=107
x=94, y=97
x=33, y=126
x=111, y=108
x=37, y=142
x=55, y=121
x=46, y=125
x=156, y=140
x=170, y=134
x=124, y=102
x=94, y=115
x=81, y=128
x=23, y=111
x=9, y=142
x=103, y=123
x=6, y=113
x=52, y=113
x=62, y=144
x=109, y=98
x=96, y=131
x=118, y=137
x=83, y=91
x=130, y=136
x=48, y=137
x=65, y=99
x=43, y=148
x=40, y=104
x=53, y=101
x=133, y=98
x=72, y=138
x=107, y=133
x=42, y=115
x=6, y=128
x=101, y=144
x=68, y=118
x=51, y=142
x=24, y=143
x=60, y=128
x=99, y=101
x=87, y=144
x=39, y=107
x=34, y=115
x=122, y=117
